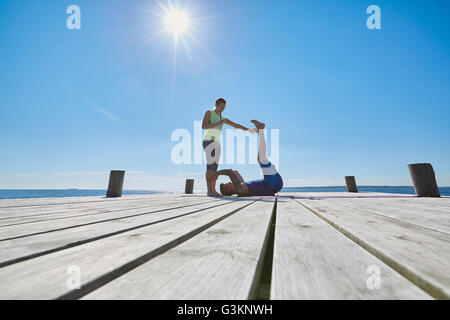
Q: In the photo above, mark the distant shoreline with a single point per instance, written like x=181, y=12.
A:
x=73, y=192
x=175, y=190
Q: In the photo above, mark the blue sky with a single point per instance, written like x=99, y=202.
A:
x=347, y=100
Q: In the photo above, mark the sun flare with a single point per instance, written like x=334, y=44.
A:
x=176, y=21
x=179, y=27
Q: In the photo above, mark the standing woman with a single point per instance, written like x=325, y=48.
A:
x=213, y=122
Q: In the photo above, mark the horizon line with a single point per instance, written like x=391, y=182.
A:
x=138, y=189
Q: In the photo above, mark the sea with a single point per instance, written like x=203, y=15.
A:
x=24, y=194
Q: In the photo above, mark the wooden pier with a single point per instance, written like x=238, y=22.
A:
x=313, y=246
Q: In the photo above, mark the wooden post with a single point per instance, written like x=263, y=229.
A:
x=351, y=184
x=424, y=180
x=115, y=184
x=189, y=189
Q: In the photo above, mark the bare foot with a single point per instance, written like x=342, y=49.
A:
x=214, y=194
x=258, y=125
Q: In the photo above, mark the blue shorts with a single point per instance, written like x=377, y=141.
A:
x=271, y=184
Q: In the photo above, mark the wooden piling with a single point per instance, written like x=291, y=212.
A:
x=115, y=186
x=189, y=189
x=351, y=184
x=424, y=180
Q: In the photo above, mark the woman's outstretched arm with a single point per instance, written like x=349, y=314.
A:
x=234, y=125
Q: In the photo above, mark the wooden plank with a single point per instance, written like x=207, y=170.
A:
x=412, y=212
x=102, y=261
x=42, y=209
x=419, y=254
x=432, y=204
x=334, y=194
x=20, y=249
x=314, y=261
x=218, y=264
x=7, y=216
x=16, y=231
x=438, y=203
x=33, y=218
x=28, y=202
x=16, y=203
x=95, y=210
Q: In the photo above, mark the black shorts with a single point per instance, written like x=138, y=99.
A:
x=213, y=151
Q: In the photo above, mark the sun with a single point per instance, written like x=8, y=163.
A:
x=176, y=22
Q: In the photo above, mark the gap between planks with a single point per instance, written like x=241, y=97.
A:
x=103, y=261
x=106, y=278
x=80, y=241
x=223, y=262
x=92, y=223
x=21, y=220
x=42, y=202
x=429, y=286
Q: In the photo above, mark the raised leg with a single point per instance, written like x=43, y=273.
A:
x=262, y=148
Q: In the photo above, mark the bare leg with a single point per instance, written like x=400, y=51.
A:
x=213, y=151
x=211, y=184
x=262, y=149
x=208, y=181
x=214, y=192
